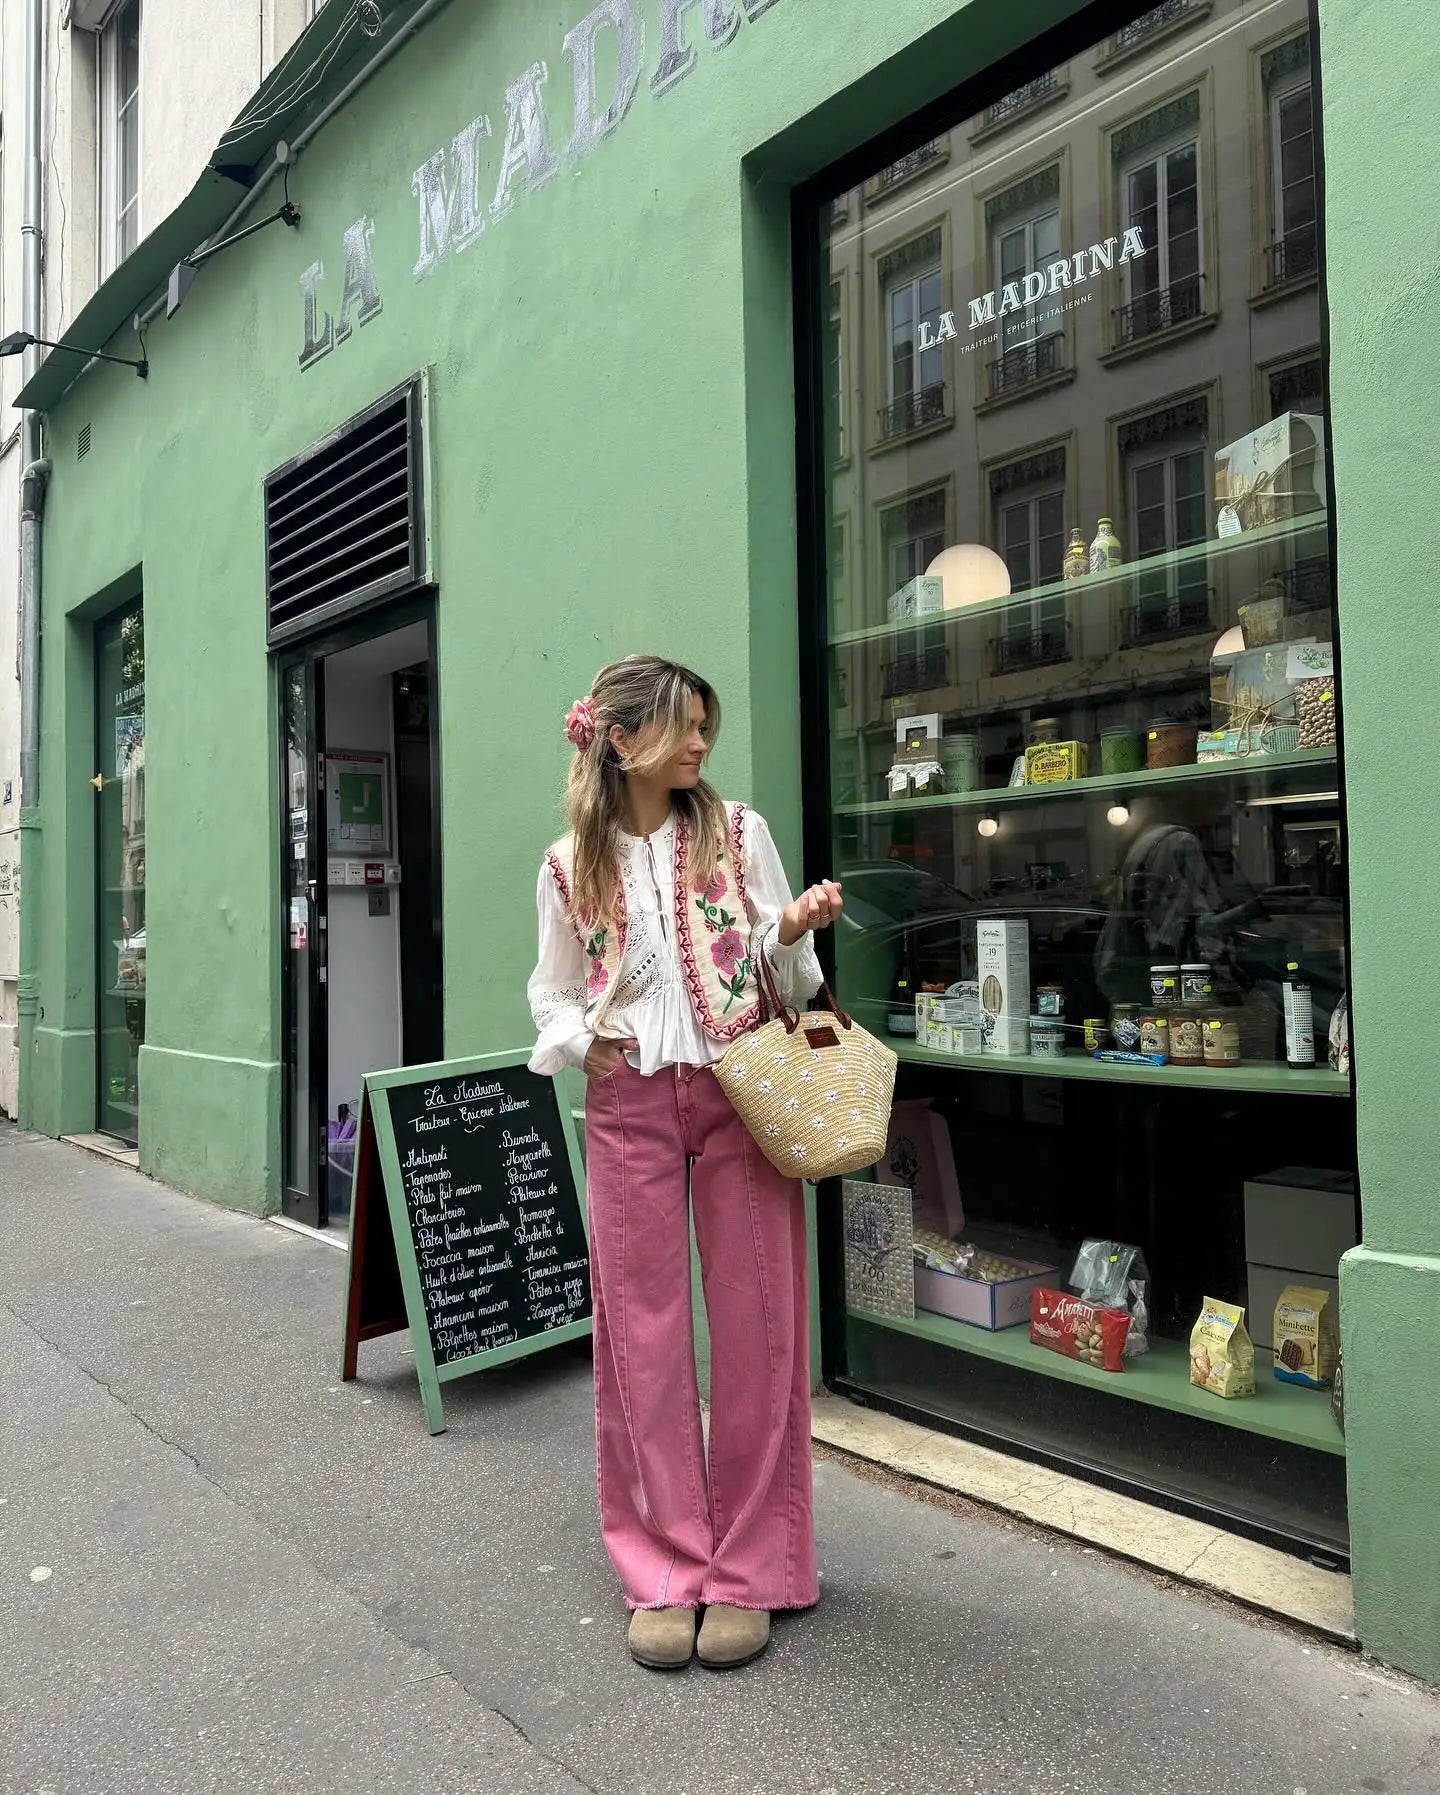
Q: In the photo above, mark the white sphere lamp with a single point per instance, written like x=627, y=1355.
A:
x=970, y=574
x=988, y=826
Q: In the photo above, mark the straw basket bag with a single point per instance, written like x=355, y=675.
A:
x=814, y=1090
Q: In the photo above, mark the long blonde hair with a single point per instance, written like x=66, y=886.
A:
x=637, y=692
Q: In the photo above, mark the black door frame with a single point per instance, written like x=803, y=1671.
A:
x=312, y=1207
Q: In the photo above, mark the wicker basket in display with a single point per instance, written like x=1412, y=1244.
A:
x=813, y=1089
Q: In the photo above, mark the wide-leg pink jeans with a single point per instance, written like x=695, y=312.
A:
x=680, y=1533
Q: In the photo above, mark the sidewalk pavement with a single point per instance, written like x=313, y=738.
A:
x=224, y=1570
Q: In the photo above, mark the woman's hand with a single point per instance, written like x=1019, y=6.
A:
x=816, y=908
x=602, y=1057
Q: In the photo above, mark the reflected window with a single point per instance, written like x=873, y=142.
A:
x=1160, y=198
x=911, y=286
x=1294, y=246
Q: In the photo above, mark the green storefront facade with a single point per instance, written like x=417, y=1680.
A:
x=575, y=255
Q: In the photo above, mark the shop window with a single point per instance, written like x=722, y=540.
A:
x=911, y=290
x=1079, y=726
x=1159, y=179
x=119, y=135
x=1293, y=250
x=1024, y=227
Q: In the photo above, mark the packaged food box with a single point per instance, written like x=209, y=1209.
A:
x=1222, y=1358
x=1052, y=763
x=1274, y=473
x=983, y=1289
x=1077, y=1329
x=920, y=597
x=1306, y=1346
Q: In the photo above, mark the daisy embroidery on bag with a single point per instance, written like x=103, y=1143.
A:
x=830, y=1096
x=771, y=1130
x=765, y=1087
x=797, y=1152
x=792, y=1103
x=807, y=1076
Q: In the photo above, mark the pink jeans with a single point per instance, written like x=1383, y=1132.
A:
x=679, y=1537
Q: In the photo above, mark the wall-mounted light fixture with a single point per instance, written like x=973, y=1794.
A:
x=19, y=341
x=182, y=275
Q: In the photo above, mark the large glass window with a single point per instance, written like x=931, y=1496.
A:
x=120, y=868
x=1081, y=728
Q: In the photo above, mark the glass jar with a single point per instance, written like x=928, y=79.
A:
x=1222, y=1039
x=1125, y=1026
x=1097, y=1034
x=1187, y=1037
x=1047, y=1038
x=1050, y=1000
x=1155, y=1033
x=1195, y=982
x=1165, y=985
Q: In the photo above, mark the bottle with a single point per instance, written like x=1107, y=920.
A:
x=1105, y=549
x=1299, y=1019
x=1076, y=564
x=900, y=1017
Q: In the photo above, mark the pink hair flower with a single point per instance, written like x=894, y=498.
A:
x=580, y=724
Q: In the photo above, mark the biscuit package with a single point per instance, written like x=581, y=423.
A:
x=1221, y=1356
x=1305, y=1343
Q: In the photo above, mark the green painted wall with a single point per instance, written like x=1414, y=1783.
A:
x=1380, y=64
x=613, y=445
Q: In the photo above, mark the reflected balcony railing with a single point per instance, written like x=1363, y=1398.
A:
x=1150, y=24
x=1026, y=363
x=913, y=411
x=1166, y=618
x=1021, y=100
x=901, y=170
x=1044, y=646
x=1309, y=585
x=924, y=670
x=1295, y=256
x=1163, y=309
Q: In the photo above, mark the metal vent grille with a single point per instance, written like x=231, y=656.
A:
x=82, y=443
x=343, y=522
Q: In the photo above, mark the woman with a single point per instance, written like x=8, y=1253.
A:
x=654, y=911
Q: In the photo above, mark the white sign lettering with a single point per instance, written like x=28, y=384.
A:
x=1019, y=296
x=447, y=186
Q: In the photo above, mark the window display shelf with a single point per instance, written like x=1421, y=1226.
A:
x=1306, y=535
x=1161, y=1377
x=1274, y=1080
x=1259, y=769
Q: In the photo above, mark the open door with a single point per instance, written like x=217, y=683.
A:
x=303, y=895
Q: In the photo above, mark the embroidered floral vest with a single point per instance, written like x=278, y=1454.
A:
x=712, y=934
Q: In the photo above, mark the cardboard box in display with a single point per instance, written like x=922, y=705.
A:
x=1299, y=1222
x=991, y=1306
x=1003, y=969
x=1275, y=473
x=921, y=597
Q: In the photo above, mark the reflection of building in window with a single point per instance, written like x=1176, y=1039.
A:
x=1024, y=99
x=907, y=167
x=1028, y=500
x=1158, y=22
x=835, y=377
x=1300, y=387
x=911, y=289
x=1024, y=229
x=1294, y=249
x=1158, y=168
x=912, y=534
x=1166, y=458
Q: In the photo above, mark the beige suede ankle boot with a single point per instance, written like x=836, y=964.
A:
x=662, y=1638
x=731, y=1636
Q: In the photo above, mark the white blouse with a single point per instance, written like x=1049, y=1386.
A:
x=652, y=1003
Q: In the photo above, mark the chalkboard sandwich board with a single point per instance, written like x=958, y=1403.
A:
x=466, y=1219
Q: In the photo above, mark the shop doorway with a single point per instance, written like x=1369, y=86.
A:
x=119, y=784
x=362, y=957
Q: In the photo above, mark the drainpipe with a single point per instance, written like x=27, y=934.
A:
x=32, y=503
